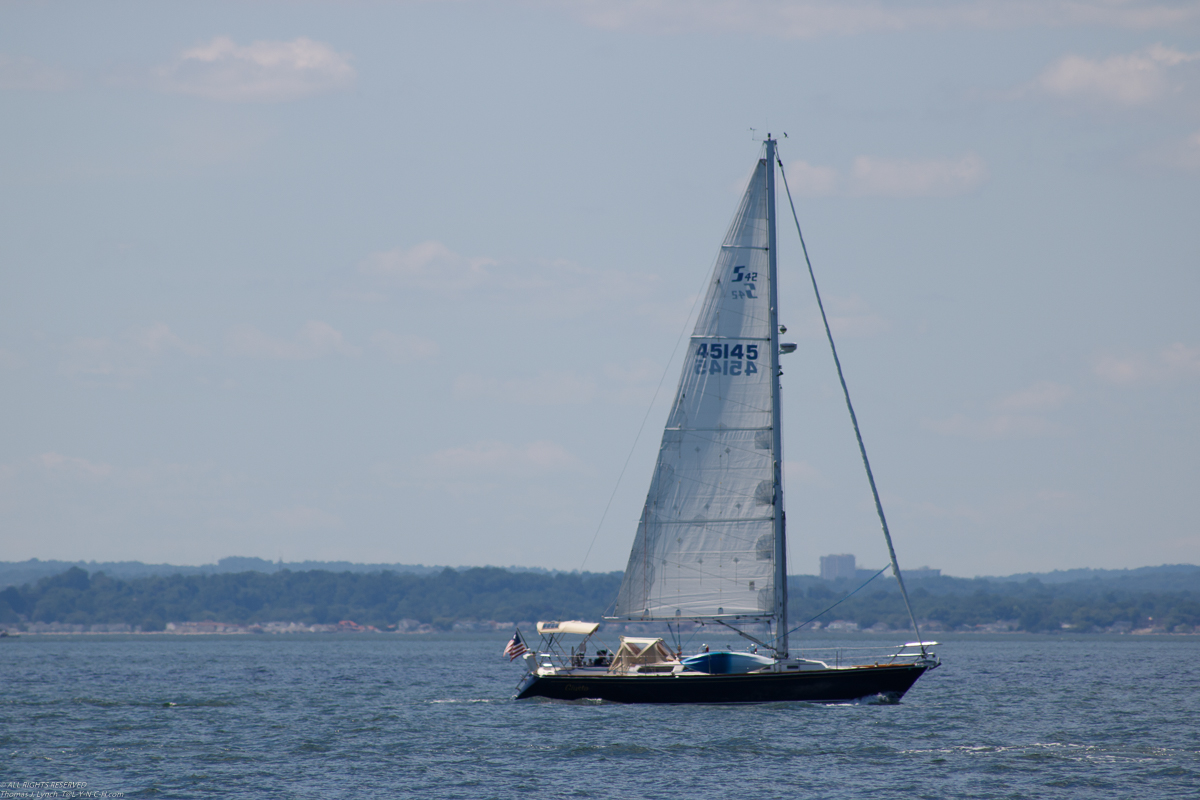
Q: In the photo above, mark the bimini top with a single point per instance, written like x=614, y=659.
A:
x=569, y=626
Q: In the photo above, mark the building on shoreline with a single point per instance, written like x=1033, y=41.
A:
x=839, y=566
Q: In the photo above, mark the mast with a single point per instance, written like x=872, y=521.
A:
x=781, y=593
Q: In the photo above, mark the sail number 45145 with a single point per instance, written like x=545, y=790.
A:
x=726, y=359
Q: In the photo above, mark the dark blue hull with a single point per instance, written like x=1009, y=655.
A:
x=813, y=686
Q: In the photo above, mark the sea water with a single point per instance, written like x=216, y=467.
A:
x=365, y=716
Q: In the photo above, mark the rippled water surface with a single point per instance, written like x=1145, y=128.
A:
x=392, y=716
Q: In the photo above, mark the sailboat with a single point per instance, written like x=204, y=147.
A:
x=710, y=546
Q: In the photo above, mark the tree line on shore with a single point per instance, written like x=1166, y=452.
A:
x=382, y=599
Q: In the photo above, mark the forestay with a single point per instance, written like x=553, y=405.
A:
x=705, y=545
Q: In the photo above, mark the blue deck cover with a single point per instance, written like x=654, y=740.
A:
x=725, y=662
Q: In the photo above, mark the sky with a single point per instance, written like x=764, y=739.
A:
x=403, y=282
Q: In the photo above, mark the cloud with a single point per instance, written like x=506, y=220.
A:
x=132, y=354
x=1125, y=80
x=801, y=472
x=9, y=359
x=997, y=426
x=21, y=73
x=313, y=340
x=306, y=518
x=205, y=138
x=801, y=19
x=807, y=180
x=1189, y=152
x=1174, y=362
x=547, y=388
x=263, y=71
x=849, y=317
x=929, y=509
x=1041, y=396
x=95, y=356
x=634, y=383
x=644, y=372
x=555, y=287
x=430, y=265
x=73, y=466
x=404, y=348
x=1014, y=415
x=1182, y=153
x=158, y=339
x=493, y=456
x=870, y=176
x=882, y=177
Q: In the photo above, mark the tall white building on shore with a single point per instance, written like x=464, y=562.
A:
x=839, y=566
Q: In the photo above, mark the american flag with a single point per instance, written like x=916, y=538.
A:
x=516, y=646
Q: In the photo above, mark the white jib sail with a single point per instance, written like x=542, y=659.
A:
x=705, y=545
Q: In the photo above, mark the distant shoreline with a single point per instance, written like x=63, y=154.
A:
x=1155, y=600
x=849, y=636
x=18, y=573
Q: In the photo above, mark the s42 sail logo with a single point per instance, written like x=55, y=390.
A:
x=748, y=281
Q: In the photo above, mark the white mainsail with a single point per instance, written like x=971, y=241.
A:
x=705, y=546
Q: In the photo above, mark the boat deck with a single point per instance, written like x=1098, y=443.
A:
x=832, y=685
